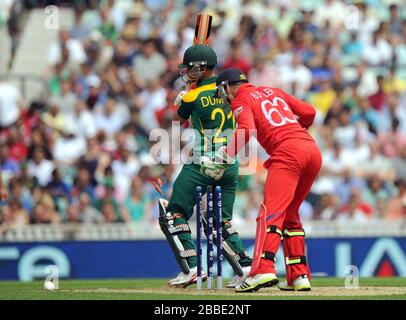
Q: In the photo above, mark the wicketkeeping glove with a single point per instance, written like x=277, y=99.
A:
x=215, y=167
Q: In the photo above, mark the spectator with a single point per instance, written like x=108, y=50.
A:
x=137, y=203
x=283, y=21
x=111, y=119
x=332, y=11
x=393, y=141
x=79, y=31
x=308, y=20
x=264, y=71
x=94, y=159
x=45, y=211
x=66, y=50
x=40, y=168
x=67, y=98
x=131, y=28
x=352, y=50
x=327, y=207
x=345, y=133
x=124, y=170
x=392, y=110
x=396, y=207
x=17, y=148
x=93, y=91
x=399, y=164
x=7, y=221
x=10, y=104
x=7, y=163
x=366, y=80
x=323, y=99
x=375, y=164
x=394, y=20
x=69, y=147
x=83, y=184
x=333, y=114
x=107, y=204
x=365, y=113
x=378, y=52
x=344, y=186
x=83, y=120
x=122, y=54
x=334, y=162
x=297, y=77
x=378, y=99
x=150, y=64
x=355, y=209
x=21, y=194
x=107, y=27
x=306, y=211
x=153, y=99
x=236, y=59
x=376, y=195
x=60, y=192
x=39, y=139
x=400, y=47
x=18, y=215
x=54, y=119
x=85, y=212
x=393, y=83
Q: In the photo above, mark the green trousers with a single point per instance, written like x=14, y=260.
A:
x=183, y=199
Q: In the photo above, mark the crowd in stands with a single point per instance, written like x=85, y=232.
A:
x=82, y=154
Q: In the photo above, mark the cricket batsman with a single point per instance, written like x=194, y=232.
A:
x=281, y=123
x=210, y=117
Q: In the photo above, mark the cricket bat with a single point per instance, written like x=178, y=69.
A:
x=202, y=34
x=202, y=29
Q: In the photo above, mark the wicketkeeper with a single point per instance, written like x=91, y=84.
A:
x=280, y=121
x=210, y=117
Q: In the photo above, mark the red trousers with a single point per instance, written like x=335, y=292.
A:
x=292, y=169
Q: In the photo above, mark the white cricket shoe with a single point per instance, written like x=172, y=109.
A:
x=237, y=279
x=301, y=283
x=254, y=283
x=184, y=280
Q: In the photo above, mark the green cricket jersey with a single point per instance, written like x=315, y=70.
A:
x=210, y=116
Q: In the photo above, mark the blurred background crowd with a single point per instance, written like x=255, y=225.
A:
x=82, y=153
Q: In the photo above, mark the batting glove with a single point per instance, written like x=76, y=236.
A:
x=179, y=97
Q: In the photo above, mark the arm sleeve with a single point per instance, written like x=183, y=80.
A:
x=303, y=110
x=241, y=136
x=185, y=110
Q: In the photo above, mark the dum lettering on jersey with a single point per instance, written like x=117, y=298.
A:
x=210, y=101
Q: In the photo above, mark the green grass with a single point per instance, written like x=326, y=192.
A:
x=156, y=289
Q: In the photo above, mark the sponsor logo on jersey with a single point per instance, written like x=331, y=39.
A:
x=237, y=111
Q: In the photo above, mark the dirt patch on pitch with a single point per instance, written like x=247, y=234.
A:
x=316, y=291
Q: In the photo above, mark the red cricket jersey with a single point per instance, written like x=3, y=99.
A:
x=276, y=116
